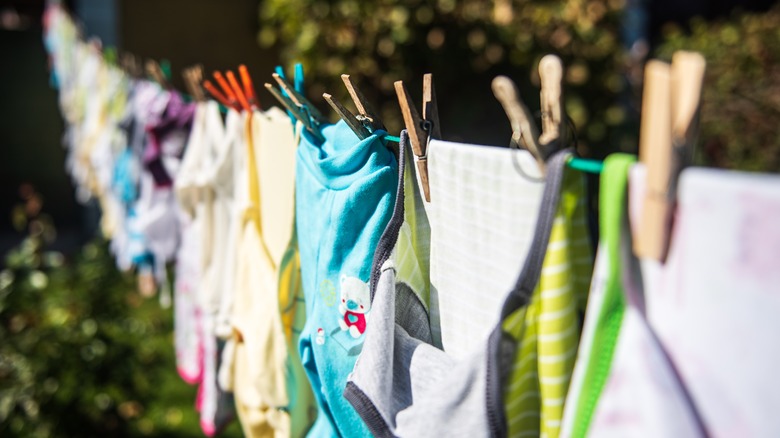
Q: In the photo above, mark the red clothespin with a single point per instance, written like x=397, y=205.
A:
x=238, y=91
x=249, y=89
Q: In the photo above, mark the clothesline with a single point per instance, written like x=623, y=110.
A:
x=328, y=285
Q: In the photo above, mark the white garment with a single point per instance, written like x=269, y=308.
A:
x=482, y=216
x=713, y=308
x=196, y=192
x=228, y=179
x=187, y=320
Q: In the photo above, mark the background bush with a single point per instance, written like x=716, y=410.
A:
x=466, y=44
x=740, y=120
x=81, y=352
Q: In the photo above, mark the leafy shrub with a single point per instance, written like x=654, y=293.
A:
x=466, y=44
x=81, y=352
x=740, y=119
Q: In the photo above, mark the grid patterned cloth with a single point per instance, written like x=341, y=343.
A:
x=482, y=216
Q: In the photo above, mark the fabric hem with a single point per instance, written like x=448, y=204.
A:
x=367, y=411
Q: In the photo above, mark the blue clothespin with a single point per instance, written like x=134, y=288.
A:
x=297, y=81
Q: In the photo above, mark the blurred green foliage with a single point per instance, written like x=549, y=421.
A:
x=740, y=119
x=465, y=44
x=81, y=352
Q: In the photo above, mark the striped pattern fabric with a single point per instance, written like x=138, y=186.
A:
x=548, y=329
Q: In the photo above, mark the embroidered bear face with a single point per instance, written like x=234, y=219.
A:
x=354, y=304
x=355, y=295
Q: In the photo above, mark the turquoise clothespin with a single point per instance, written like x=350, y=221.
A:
x=298, y=77
x=298, y=87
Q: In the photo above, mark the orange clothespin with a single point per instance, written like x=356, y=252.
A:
x=239, y=93
x=249, y=89
x=221, y=98
x=226, y=89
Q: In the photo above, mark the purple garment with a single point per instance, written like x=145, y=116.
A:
x=167, y=135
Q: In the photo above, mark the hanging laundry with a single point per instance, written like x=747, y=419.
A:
x=344, y=192
x=482, y=215
x=438, y=388
x=194, y=319
x=158, y=219
x=694, y=288
x=261, y=348
x=226, y=176
x=547, y=330
x=275, y=160
x=187, y=314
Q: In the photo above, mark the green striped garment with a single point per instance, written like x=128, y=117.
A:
x=548, y=329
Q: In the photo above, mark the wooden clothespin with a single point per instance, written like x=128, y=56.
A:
x=136, y=66
x=367, y=120
x=297, y=104
x=669, y=105
x=352, y=121
x=524, y=131
x=126, y=61
x=153, y=69
x=420, y=129
x=367, y=114
x=300, y=100
x=687, y=79
x=193, y=76
x=553, y=113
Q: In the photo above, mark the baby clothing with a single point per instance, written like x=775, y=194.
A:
x=662, y=361
x=194, y=194
x=227, y=178
x=261, y=350
x=619, y=346
x=482, y=213
x=187, y=318
x=473, y=224
x=275, y=160
x=404, y=386
x=345, y=189
x=292, y=306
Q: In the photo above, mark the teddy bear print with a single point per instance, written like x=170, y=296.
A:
x=355, y=303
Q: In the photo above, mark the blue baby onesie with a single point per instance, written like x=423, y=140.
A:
x=345, y=191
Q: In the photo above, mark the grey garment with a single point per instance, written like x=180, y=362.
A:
x=404, y=386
